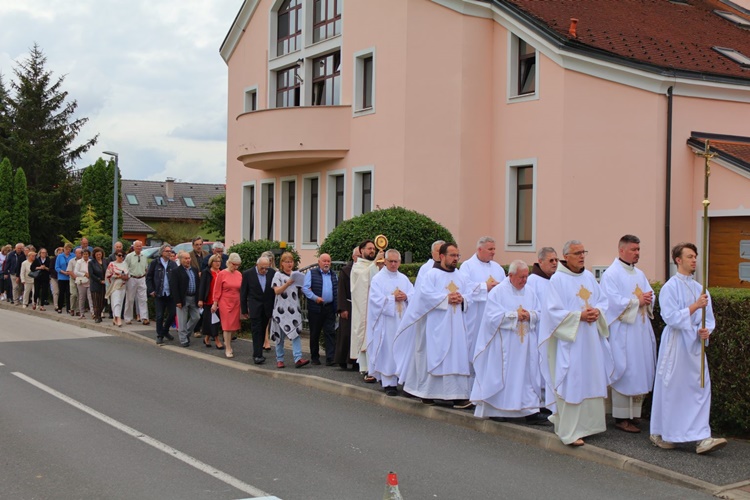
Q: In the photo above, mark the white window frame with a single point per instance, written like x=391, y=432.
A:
x=247, y=187
x=264, y=209
x=511, y=182
x=247, y=102
x=307, y=243
x=359, y=64
x=284, y=210
x=273, y=30
x=512, y=84
x=331, y=199
x=357, y=188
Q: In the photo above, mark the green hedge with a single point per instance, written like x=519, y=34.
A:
x=249, y=251
x=728, y=355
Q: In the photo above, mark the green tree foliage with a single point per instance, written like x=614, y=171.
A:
x=91, y=225
x=97, y=190
x=20, y=213
x=6, y=202
x=406, y=230
x=39, y=132
x=249, y=251
x=216, y=219
x=175, y=232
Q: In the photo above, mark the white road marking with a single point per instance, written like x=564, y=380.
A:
x=193, y=462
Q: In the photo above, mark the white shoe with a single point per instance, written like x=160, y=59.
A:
x=710, y=444
x=657, y=441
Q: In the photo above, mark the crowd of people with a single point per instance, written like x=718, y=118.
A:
x=542, y=345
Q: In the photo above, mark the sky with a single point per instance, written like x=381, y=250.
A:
x=147, y=74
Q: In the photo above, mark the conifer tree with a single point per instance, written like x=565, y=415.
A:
x=6, y=203
x=20, y=213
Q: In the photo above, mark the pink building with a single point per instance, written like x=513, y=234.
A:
x=532, y=122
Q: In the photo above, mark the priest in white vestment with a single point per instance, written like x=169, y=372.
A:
x=681, y=407
x=434, y=261
x=631, y=336
x=484, y=273
x=390, y=291
x=538, y=282
x=434, y=324
x=574, y=333
x=362, y=272
x=506, y=360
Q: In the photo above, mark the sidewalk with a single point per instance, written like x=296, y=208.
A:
x=725, y=474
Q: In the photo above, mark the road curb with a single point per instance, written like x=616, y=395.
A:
x=521, y=434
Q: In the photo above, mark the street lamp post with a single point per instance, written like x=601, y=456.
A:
x=116, y=204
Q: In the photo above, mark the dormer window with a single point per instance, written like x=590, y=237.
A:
x=289, y=27
x=189, y=201
x=734, y=18
x=159, y=201
x=734, y=55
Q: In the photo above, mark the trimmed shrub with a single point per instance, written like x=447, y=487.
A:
x=728, y=355
x=249, y=252
x=406, y=230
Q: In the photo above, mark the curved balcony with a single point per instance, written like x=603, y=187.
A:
x=287, y=137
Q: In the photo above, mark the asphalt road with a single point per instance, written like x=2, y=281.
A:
x=85, y=415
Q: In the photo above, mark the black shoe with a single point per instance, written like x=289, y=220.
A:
x=428, y=402
x=537, y=419
x=98, y=320
x=329, y=363
x=169, y=336
x=498, y=419
x=391, y=391
x=184, y=344
x=159, y=340
x=344, y=366
x=259, y=361
x=315, y=362
x=545, y=411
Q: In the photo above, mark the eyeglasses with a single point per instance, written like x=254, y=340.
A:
x=552, y=261
x=453, y=255
x=578, y=254
x=393, y=261
x=119, y=255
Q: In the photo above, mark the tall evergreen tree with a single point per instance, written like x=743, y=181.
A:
x=97, y=190
x=41, y=136
x=6, y=203
x=20, y=213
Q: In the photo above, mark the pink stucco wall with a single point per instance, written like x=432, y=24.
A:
x=443, y=132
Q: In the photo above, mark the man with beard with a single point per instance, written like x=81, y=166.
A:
x=574, y=338
x=434, y=324
x=344, y=309
x=362, y=272
x=631, y=336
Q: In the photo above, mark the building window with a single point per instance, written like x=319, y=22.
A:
x=189, y=201
x=523, y=69
x=339, y=201
x=267, y=210
x=311, y=208
x=289, y=27
x=132, y=199
x=248, y=213
x=327, y=80
x=362, y=192
x=159, y=201
x=526, y=68
x=287, y=88
x=288, y=210
x=335, y=196
x=364, y=81
x=251, y=99
x=326, y=19
x=520, y=204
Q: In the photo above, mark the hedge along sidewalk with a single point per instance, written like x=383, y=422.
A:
x=724, y=473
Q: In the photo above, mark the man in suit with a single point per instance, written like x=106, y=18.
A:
x=157, y=285
x=320, y=288
x=256, y=299
x=183, y=283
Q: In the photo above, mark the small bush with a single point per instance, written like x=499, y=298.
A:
x=249, y=252
x=406, y=230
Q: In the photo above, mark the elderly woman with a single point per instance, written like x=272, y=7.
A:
x=97, y=283
x=227, y=286
x=287, y=317
x=206, y=300
x=27, y=280
x=82, y=283
x=117, y=275
x=42, y=264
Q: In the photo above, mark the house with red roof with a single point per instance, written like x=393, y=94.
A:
x=534, y=122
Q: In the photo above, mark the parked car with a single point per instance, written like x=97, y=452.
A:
x=188, y=247
x=150, y=253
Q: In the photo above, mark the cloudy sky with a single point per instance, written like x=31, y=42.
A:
x=146, y=73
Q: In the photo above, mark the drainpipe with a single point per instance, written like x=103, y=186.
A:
x=668, y=194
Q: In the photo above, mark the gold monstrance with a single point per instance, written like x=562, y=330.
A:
x=381, y=243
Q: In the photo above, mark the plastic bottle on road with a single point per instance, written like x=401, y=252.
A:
x=391, y=488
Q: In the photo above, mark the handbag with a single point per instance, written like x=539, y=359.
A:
x=34, y=274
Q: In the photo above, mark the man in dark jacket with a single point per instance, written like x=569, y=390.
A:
x=15, y=259
x=321, y=289
x=256, y=299
x=157, y=285
x=183, y=283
